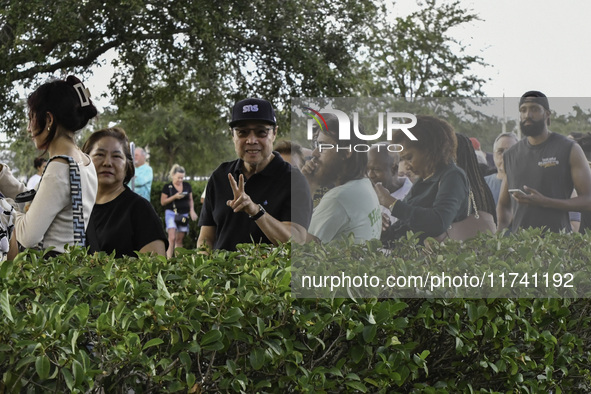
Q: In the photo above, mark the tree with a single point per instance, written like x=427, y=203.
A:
x=186, y=52
x=578, y=120
x=21, y=162
x=195, y=59
x=174, y=135
x=415, y=56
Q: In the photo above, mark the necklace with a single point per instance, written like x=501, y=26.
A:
x=429, y=176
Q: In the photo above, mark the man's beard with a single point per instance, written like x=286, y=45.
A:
x=534, y=129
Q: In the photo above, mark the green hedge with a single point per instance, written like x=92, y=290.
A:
x=229, y=323
x=533, y=264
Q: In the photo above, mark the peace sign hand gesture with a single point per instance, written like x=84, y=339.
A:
x=241, y=201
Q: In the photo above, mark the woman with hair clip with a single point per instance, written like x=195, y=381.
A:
x=57, y=110
x=121, y=221
x=177, y=200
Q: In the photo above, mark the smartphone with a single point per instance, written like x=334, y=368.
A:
x=517, y=191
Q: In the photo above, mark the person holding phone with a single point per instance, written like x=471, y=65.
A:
x=177, y=200
x=542, y=170
x=518, y=192
x=440, y=196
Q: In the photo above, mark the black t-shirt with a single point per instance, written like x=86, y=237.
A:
x=182, y=205
x=279, y=188
x=125, y=225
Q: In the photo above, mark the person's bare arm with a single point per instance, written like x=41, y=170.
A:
x=192, y=212
x=576, y=223
x=308, y=170
x=581, y=175
x=504, y=214
x=281, y=232
x=274, y=229
x=154, y=247
x=384, y=196
x=165, y=200
x=206, y=236
x=13, y=249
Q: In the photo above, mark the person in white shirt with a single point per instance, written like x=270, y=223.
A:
x=57, y=109
x=39, y=164
x=351, y=206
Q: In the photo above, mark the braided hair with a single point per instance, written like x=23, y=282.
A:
x=466, y=160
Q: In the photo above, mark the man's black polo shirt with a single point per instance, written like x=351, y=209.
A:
x=272, y=188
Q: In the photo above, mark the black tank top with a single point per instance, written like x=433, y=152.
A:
x=546, y=168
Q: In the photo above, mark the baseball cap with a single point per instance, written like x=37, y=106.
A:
x=536, y=97
x=253, y=109
x=475, y=143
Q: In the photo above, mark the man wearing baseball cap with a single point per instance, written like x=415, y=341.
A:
x=258, y=197
x=542, y=170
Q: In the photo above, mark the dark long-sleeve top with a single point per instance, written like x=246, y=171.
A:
x=433, y=204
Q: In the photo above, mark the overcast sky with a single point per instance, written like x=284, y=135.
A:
x=530, y=45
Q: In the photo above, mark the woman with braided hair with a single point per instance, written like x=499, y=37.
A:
x=467, y=161
x=65, y=196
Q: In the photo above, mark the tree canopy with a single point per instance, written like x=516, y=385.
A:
x=195, y=59
x=417, y=56
x=174, y=135
x=194, y=52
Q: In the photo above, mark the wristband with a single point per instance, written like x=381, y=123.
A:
x=391, y=207
x=259, y=214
